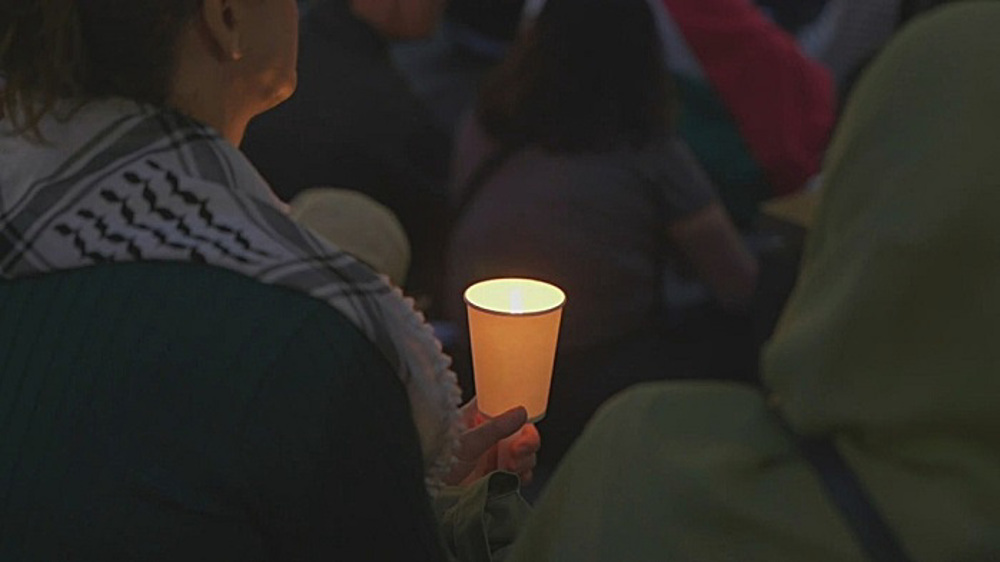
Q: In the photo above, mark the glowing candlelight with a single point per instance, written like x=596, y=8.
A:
x=513, y=329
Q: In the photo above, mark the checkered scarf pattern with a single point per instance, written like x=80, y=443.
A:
x=147, y=184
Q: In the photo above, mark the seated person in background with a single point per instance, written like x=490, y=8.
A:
x=261, y=394
x=353, y=123
x=569, y=172
x=756, y=111
x=876, y=436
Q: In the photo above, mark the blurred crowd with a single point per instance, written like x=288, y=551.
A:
x=622, y=155
x=728, y=385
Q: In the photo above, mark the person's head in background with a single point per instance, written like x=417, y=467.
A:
x=220, y=62
x=588, y=75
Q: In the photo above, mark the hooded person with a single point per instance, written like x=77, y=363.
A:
x=885, y=358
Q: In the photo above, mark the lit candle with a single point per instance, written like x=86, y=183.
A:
x=513, y=330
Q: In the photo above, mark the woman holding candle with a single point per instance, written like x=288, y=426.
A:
x=877, y=435
x=187, y=374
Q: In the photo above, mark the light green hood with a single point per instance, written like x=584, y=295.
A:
x=894, y=325
x=891, y=340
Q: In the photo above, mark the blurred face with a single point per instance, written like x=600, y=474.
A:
x=236, y=61
x=400, y=19
x=270, y=38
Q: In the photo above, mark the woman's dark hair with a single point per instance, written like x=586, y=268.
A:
x=589, y=75
x=85, y=49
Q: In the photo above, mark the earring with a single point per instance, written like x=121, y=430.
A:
x=235, y=52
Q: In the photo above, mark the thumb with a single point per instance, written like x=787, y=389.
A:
x=480, y=438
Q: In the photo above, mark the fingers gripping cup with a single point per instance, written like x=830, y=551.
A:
x=513, y=330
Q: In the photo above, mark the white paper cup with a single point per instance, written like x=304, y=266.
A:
x=513, y=330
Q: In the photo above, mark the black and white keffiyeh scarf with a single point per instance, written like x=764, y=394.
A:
x=121, y=182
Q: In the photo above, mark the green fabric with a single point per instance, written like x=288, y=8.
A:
x=888, y=345
x=177, y=412
x=480, y=522
x=889, y=339
x=710, y=131
x=684, y=471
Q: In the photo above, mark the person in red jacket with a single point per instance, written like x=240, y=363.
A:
x=781, y=102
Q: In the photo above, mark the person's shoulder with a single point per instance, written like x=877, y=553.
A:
x=668, y=164
x=685, y=416
x=664, y=471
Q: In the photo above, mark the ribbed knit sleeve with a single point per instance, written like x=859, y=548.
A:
x=176, y=412
x=343, y=473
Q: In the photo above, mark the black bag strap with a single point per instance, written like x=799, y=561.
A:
x=848, y=494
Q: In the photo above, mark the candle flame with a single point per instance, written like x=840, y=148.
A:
x=517, y=300
x=515, y=296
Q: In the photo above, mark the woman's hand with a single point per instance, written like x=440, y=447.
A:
x=505, y=442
